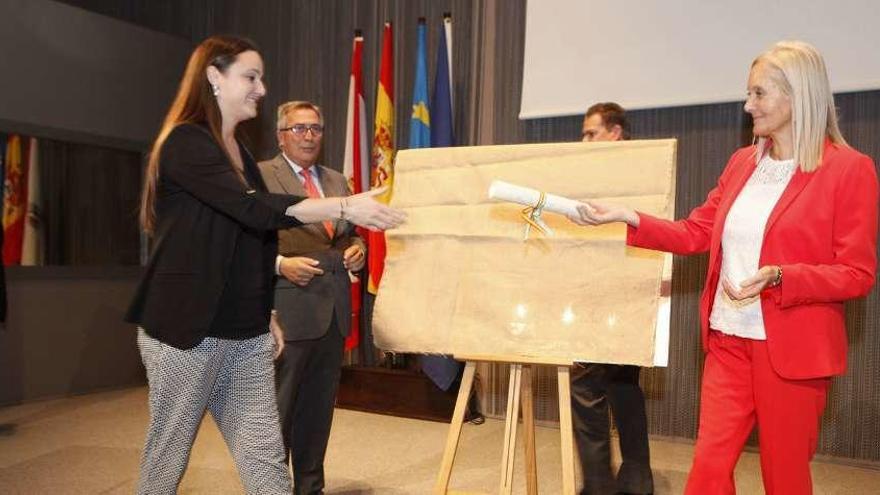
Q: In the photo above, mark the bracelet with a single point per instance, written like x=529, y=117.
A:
x=778, y=280
x=343, y=203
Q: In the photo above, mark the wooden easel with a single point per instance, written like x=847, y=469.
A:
x=520, y=389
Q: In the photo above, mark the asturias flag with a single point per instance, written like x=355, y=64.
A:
x=420, y=122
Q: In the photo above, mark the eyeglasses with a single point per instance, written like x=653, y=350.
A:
x=301, y=129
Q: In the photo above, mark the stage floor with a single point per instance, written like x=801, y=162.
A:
x=91, y=444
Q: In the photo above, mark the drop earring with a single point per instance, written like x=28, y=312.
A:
x=215, y=89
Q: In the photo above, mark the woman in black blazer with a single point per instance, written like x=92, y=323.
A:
x=203, y=307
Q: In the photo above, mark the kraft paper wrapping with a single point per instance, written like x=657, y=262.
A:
x=459, y=279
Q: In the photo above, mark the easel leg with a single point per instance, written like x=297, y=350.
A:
x=464, y=393
x=510, y=425
x=565, y=430
x=528, y=412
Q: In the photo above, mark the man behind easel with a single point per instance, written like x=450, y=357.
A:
x=595, y=386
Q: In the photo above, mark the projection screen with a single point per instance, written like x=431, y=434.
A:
x=681, y=52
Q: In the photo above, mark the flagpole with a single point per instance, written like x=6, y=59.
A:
x=447, y=26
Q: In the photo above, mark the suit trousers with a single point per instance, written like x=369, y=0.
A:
x=308, y=374
x=593, y=388
x=741, y=388
x=233, y=379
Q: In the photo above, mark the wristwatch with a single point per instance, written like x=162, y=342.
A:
x=778, y=280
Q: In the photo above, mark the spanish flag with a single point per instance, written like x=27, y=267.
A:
x=383, y=153
x=15, y=201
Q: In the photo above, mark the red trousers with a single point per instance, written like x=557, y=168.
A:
x=741, y=388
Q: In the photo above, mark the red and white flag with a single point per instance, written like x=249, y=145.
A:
x=353, y=167
x=32, y=241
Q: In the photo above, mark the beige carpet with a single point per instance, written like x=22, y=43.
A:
x=91, y=444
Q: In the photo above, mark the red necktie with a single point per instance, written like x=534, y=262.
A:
x=312, y=191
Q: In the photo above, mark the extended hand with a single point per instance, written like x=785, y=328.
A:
x=362, y=209
x=299, y=269
x=751, y=286
x=353, y=258
x=593, y=213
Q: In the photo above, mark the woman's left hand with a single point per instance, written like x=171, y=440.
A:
x=277, y=334
x=753, y=285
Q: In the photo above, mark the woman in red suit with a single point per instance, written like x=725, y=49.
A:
x=791, y=231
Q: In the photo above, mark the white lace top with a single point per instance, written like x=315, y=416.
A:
x=741, y=243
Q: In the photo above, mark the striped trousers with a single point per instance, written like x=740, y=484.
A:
x=234, y=380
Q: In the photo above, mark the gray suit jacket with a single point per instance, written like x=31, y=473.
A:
x=306, y=312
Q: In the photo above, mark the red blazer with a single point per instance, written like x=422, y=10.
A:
x=822, y=232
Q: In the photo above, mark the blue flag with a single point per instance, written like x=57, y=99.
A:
x=420, y=122
x=441, y=104
x=442, y=370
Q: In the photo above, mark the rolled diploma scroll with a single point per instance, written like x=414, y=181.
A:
x=505, y=191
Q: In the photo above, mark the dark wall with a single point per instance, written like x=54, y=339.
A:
x=64, y=333
x=77, y=76
x=90, y=196
x=307, y=51
x=306, y=47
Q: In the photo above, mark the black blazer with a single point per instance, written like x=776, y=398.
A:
x=201, y=209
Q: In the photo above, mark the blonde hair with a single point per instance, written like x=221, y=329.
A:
x=285, y=108
x=804, y=80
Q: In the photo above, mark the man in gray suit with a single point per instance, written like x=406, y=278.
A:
x=312, y=296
